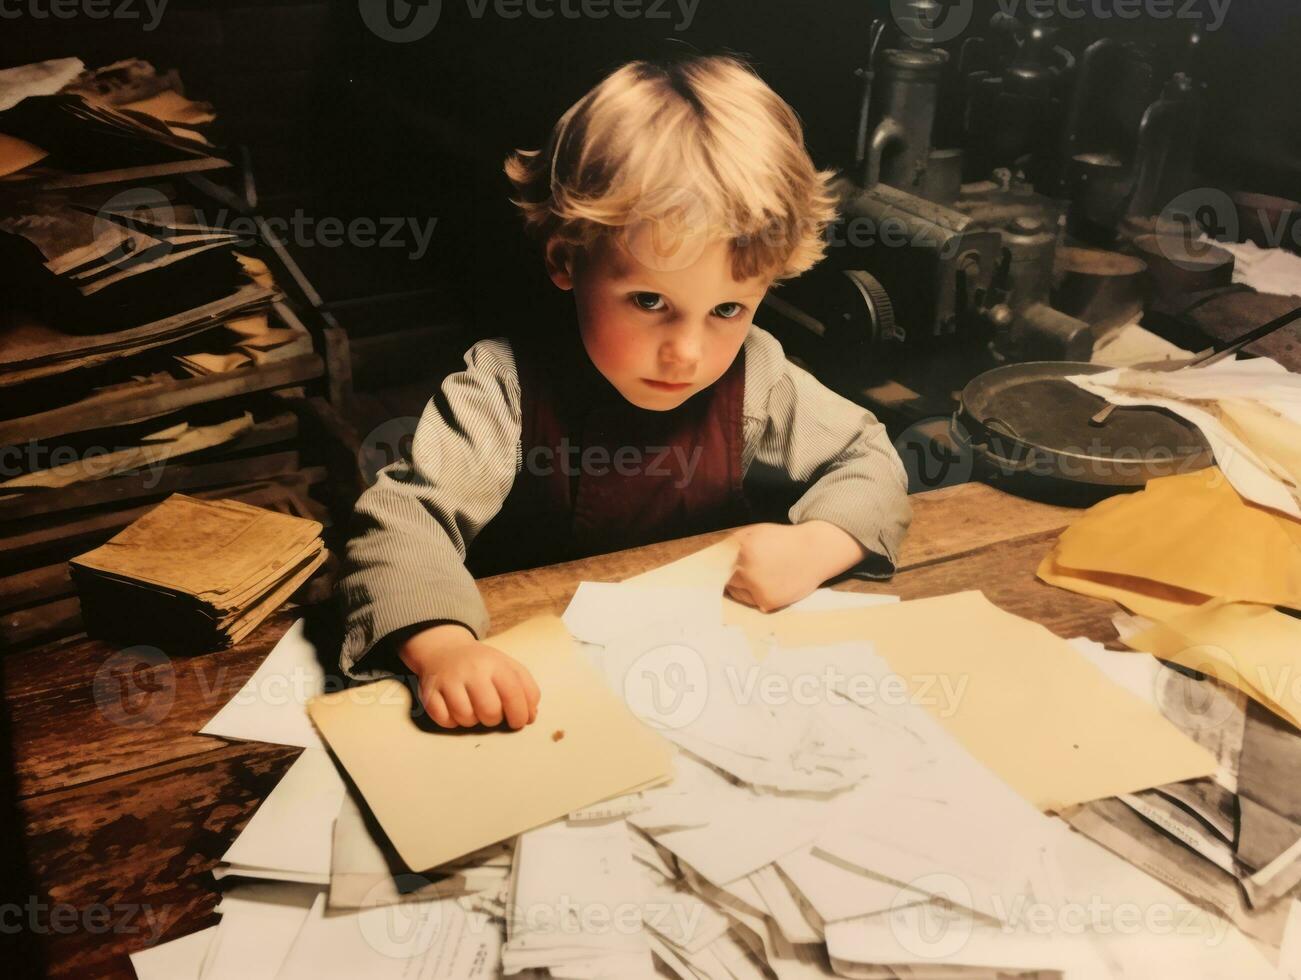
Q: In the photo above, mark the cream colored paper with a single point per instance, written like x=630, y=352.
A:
x=1255, y=648
x=440, y=794
x=708, y=568
x=1033, y=710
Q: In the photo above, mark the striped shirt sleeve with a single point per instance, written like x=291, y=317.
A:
x=833, y=450
x=405, y=560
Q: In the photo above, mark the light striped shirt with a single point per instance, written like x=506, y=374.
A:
x=405, y=561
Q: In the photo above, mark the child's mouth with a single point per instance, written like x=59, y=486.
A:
x=666, y=386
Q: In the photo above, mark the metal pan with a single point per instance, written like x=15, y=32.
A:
x=1027, y=423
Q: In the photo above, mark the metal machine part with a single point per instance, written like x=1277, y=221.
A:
x=932, y=262
x=1104, y=289
x=898, y=148
x=845, y=322
x=1180, y=266
x=1013, y=81
x=1026, y=424
x=1129, y=140
x=1034, y=330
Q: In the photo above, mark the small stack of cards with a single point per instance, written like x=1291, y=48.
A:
x=195, y=574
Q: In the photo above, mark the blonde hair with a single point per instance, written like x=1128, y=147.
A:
x=704, y=140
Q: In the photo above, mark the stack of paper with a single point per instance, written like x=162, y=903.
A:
x=83, y=135
x=195, y=574
x=829, y=808
x=1230, y=842
x=246, y=342
x=1208, y=567
x=864, y=798
x=1248, y=410
x=96, y=261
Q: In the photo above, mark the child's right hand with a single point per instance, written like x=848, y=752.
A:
x=465, y=682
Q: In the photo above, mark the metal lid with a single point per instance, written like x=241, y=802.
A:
x=1028, y=420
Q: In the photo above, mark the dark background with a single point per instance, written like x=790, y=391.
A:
x=337, y=121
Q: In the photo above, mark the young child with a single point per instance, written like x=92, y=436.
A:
x=668, y=200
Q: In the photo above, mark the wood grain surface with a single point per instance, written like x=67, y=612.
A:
x=119, y=825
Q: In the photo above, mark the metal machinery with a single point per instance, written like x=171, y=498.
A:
x=943, y=262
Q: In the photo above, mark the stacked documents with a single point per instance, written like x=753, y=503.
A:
x=195, y=574
x=1210, y=577
x=94, y=260
x=856, y=788
x=1209, y=570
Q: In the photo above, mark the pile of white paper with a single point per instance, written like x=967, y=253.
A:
x=819, y=823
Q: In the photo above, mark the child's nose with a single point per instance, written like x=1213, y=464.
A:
x=682, y=349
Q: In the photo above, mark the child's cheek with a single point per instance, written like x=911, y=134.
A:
x=612, y=343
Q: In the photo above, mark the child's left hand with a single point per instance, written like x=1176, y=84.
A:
x=778, y=564
x=772, y=567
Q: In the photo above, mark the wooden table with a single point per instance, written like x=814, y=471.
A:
x=113, y=821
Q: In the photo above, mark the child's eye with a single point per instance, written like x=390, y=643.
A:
x=736, y=309
x=651, y=302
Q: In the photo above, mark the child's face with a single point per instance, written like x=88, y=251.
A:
x=642, y=324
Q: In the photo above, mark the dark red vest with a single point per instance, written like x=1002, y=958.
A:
x=601, y=474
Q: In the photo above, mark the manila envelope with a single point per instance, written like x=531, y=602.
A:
x=1183, y=539
x=440, y=794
